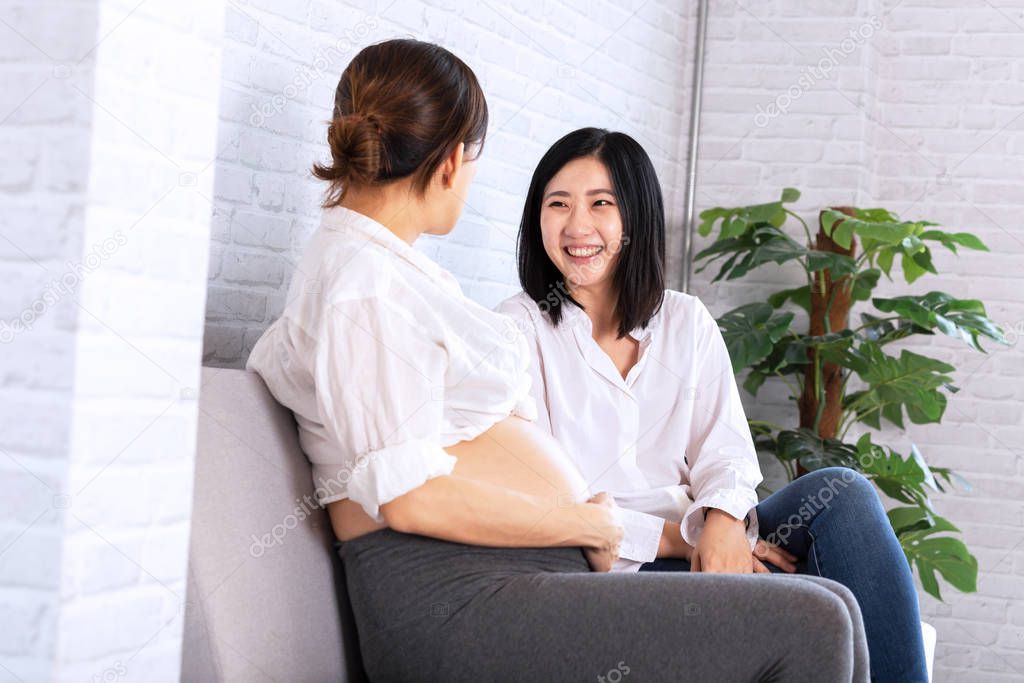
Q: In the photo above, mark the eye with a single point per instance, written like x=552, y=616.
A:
x=602, y=202
x=556, y=203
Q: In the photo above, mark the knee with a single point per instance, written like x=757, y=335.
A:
x=845, y=484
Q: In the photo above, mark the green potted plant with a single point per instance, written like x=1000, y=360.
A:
x=840, y=374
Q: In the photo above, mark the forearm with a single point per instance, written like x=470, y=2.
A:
x=469, y=511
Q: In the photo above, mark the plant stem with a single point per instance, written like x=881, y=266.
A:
x=817, y=390
x=807, y=231
x=794, y=391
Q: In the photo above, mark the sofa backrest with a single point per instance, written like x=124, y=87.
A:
x=266, y=597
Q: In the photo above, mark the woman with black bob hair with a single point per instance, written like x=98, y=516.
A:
x=639, y=278
x=472, y=549
x=635, y=382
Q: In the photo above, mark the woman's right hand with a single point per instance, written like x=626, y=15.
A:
x=603, y=554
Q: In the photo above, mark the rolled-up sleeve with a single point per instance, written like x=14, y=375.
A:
x=379, y=381
x=723, y=467
x=520, y=324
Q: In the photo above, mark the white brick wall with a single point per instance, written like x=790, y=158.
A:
x=926, y=121
x=104, y=238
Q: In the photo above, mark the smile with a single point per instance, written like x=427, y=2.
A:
x=583, y=252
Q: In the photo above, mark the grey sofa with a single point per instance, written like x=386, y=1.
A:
x=266, y=598
x=266, y=595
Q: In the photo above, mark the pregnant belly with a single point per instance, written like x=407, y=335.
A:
x=513, y=453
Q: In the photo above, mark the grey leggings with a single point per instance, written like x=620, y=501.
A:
x=429, y=610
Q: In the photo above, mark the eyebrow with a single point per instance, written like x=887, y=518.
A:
x=563, y=193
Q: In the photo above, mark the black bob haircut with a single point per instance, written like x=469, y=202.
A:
x=639, y=277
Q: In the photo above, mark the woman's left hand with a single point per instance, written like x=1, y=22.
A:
x=769, y=552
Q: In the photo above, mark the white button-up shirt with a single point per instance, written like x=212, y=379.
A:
x=384, y=363
x=668, y=440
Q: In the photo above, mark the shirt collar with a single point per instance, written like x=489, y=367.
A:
x=577, y=317
x=341, y=219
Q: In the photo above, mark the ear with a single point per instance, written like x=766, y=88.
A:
x=452, y=166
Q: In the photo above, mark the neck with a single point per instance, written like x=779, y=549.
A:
x=394, y=207
x=598, y=301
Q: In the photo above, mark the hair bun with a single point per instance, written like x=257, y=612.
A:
x=355, y=145
x=400, y=108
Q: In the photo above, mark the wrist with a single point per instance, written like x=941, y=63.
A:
x=721, y=516
x=596, y=526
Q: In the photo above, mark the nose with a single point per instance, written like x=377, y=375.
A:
x=577, y=226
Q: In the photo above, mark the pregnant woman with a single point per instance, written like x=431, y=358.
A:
x=472, y=548
x=635, y=382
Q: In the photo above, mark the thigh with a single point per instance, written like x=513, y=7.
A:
x=653, y=626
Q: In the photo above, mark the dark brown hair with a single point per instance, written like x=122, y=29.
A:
x=401, y=107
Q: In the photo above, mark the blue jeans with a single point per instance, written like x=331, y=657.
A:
x=834, y=522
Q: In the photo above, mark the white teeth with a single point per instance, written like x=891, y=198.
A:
x=583, y=252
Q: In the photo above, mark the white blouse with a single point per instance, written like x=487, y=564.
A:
x=384, y=362
x=668, y=440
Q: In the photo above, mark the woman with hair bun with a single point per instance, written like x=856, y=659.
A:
x=473, y=549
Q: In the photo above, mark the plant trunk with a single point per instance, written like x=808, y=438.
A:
x=839, y=292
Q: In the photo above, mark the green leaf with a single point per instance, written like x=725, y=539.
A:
x=963, y=319
x=838, y=226
x=943, y=554
x=877, y=215
x=885, y=262
x=753, y=248
x=837, y=264
x=911, y=380
x=801, y=296
x=812, y=451
x=950, y=240
x=911, y=268
x=790, y=194
x=754, y=381
x=708, y=218
x=864, y=282
x=913, y=518
x=750, y=332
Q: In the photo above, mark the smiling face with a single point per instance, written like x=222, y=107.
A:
x=580, y=223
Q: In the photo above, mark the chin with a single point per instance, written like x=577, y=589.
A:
x=440, y=231
x=581, y=279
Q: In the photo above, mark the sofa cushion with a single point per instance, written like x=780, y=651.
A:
x=265, y=596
